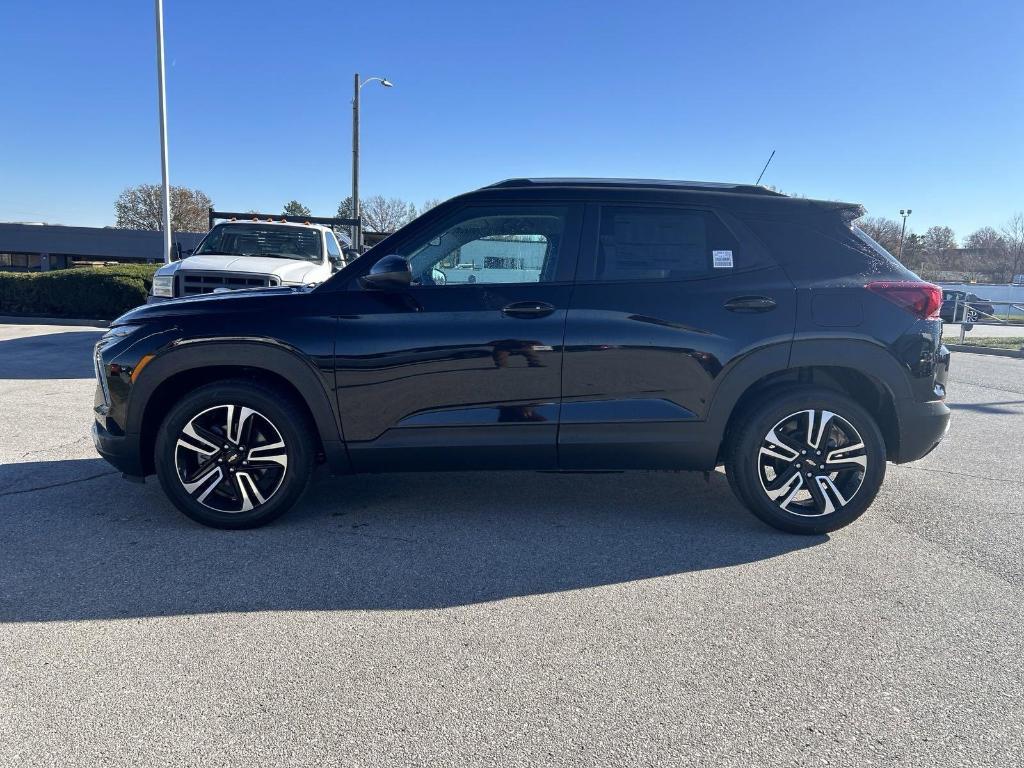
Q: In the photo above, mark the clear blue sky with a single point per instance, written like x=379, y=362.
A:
x=891, y=104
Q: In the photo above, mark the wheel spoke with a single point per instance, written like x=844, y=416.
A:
x=786, y=488
x=197, y=441
x=239, y=423
x=266, y=455
x=822, y=503
x=846, y=458
x=204, y=485
x=817, y=427
x=246, y=490
x=780, y=447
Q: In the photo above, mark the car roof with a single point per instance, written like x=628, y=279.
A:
x=667, y=184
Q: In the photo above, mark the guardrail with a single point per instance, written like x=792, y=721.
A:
x=971, y=314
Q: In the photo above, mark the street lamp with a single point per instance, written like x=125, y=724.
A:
x=904, y=213
x=165, y=189
x=357, y=230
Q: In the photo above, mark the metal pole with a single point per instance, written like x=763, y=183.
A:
x=357, y=233
x=166, y=191
x=903, y=232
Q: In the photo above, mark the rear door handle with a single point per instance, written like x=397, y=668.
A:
x=750, y=304
x=528, y=309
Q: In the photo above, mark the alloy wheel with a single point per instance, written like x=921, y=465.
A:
x=812, y=463
x=230, y=458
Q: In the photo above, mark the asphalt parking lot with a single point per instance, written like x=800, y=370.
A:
x=505, y=619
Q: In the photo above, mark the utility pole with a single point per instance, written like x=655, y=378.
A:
x=357, y=234
x=162, y=90
x=357, y=230
x=904, y=213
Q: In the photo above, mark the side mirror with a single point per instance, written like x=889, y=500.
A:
x=390, y=272
x=336, y=262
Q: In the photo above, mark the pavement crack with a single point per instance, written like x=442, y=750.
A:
x=963, y=474
x=57, y=485
x=57, y=447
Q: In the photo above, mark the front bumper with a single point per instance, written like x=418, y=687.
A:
x=122, y=451
x=922, y=427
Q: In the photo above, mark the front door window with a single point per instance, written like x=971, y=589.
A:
x=488, y=246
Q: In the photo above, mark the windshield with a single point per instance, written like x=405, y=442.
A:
x=263, y=240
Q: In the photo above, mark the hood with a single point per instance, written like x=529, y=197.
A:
x=288, y=270
x=208, y=303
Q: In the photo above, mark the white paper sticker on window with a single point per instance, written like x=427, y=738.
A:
x=722, y=259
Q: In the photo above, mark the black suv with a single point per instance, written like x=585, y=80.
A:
x=549, y=324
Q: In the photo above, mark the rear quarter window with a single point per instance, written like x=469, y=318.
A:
x=826, y=247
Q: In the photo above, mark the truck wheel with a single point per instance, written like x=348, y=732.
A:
x=809, y=460
x=234, y=454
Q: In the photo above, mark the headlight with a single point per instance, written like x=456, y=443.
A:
x=120, y=331
x=163, y=285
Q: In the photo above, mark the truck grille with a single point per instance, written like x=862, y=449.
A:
x=197, y=283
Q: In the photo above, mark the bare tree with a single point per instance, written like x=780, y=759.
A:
x=1013, y=237
x=140, y=207
x=386, y=214
x=886, y=232
x=985, y=252
x=295, y=208
x=939, y=241
x=428, y=204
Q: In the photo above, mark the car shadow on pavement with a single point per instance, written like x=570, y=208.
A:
x=80, y=543
x=65, y=355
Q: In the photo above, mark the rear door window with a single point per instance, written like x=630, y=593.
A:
x=662, y=243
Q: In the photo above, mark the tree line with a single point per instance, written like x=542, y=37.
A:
x=140, y=207
x=997, y=254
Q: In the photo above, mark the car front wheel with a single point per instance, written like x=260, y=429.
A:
x=808, y=460
x=234, y=454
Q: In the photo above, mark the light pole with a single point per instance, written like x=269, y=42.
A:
x=904, y=213
x=357, y=231
x=162, y=98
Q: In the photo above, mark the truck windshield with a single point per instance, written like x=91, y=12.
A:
x=273, y=240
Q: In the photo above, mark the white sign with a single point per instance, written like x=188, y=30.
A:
x=722, y=259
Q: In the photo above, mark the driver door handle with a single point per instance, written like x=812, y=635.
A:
x=528, y=309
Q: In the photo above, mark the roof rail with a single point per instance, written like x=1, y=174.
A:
x=706, y=186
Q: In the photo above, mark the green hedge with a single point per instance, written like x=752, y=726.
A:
x=100, y=293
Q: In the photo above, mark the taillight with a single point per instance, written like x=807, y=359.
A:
x=921, y=299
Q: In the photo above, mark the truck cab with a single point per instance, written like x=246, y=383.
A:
x=255, y=253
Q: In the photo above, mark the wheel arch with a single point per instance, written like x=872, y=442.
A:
x=864, y=371
x=182, y=368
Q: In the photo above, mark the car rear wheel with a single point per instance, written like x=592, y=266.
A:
x=234, y=454
x=807, y=461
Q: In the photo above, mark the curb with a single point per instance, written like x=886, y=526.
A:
x=985, y=350
x=43, y=320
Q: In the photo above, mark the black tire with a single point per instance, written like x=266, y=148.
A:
x=830, y=496
x=262, y=486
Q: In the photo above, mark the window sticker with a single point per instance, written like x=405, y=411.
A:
x=722, y=259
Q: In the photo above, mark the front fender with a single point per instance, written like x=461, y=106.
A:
x=251, y=352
